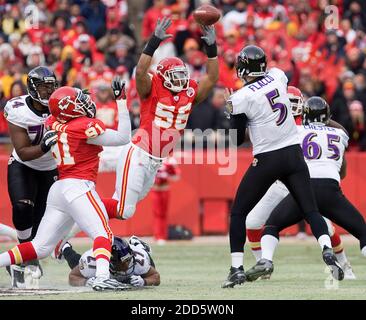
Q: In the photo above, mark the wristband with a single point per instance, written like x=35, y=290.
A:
x=45, y=148
x=152, y=45
x=211, y=50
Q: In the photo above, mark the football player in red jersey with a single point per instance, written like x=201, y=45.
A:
x=73, y=197
x=167, y=97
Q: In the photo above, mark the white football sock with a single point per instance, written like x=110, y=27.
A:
x=341, y=257
x=102, y=268
x=237, y=259
x=324, y=240
x=5, y=259
x=8, y=231
x=257, y=254
x=268, y=244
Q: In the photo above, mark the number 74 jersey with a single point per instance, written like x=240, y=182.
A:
x=164, y=116
x=323, y=149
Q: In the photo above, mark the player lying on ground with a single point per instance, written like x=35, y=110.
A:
x=73, y=197
x=257, y=218
x=131, y=263
x=166, y=98
x=263, y=105
x=324, y=151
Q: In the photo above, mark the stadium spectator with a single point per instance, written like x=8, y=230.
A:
x=293, y=34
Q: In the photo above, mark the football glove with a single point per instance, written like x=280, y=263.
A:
x=89, y=282
x=209, y=35
x=49, y=139
x=161, y=27
x=137, y=281
x=119, y=88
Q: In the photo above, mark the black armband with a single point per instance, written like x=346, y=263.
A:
x=152, y=45
x=211, y=50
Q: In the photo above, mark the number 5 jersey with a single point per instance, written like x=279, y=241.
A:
x=266, y=105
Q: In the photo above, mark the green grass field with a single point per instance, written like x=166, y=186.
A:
x=195, y=270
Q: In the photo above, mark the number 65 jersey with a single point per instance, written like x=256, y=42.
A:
x=266, y=105
x=323, y=149
x=164, y=116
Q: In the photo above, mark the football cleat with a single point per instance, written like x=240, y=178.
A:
x=236, y=276
x=16, y=273
x=333, y=264
x=107, y=284
x=262, y=268
x=348, y=272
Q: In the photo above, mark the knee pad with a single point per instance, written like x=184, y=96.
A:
x=254, y=222
x=271, y=230
x=23, y=214
x=128, y=212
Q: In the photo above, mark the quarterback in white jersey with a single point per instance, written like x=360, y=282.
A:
x=263, y=105
x=131, y=263
x=324, y=151
x=270, y=124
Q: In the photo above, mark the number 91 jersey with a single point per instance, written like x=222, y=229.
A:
x=323, y=149
x=164, y=116
x=74, y=156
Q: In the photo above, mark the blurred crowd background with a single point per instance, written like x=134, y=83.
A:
x=86, y=43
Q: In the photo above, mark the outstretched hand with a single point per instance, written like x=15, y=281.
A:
x=209, y=35
x=161, y=27
x=119, y=88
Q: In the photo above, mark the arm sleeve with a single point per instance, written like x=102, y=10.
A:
x=238, y=122
x=122, y=135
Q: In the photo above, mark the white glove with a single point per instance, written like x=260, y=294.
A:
x=137, y=281
x=89, y=282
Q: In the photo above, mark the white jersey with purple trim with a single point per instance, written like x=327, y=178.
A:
x=21, y=113
x=265, y=103
x=323, y=149
x=142, y=264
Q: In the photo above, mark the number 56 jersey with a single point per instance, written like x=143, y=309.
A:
x=164, y=116
x=74, y=156
x=323, y=149
x=266, y=105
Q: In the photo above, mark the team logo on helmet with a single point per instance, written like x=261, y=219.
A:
x=64, y=102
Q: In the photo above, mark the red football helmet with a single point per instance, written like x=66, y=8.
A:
x=174, y=74
x=296, y=100
x=67, y=103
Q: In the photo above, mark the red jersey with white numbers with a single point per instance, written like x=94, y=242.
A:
x=74, y=156
x=164, y=116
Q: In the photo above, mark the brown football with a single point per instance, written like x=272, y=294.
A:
x=206, y=15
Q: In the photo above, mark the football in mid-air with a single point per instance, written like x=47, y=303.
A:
x=206, y=15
